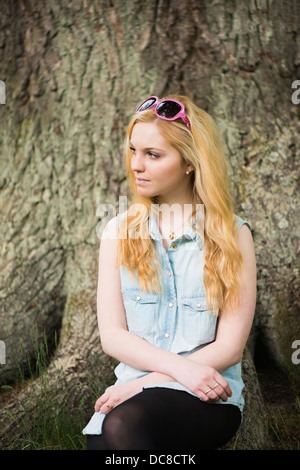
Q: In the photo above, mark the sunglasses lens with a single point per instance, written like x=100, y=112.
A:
x=168, y=109
x=146, y=105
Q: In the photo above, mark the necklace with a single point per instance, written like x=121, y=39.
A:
x=172, y=234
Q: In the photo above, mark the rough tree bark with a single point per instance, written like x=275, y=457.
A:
x=74, y=72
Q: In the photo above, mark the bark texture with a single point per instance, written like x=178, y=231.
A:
x=74, y=72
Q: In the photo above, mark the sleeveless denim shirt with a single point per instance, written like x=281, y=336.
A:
x=177, y=319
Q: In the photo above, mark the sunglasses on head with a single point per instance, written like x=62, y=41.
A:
x=165, y=109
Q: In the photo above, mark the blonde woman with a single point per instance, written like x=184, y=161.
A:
x=176, y=290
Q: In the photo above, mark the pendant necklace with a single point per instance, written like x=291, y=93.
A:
x=172, y=234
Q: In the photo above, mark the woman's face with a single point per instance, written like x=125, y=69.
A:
x=157, y=165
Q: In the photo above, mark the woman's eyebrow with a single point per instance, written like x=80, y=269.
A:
x=148, y=149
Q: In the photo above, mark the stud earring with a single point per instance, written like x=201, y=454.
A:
x=187, y=172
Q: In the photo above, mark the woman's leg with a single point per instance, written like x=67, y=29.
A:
x=161, y=418
x=95, y=442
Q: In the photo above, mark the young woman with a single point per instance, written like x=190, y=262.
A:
x=176, y=290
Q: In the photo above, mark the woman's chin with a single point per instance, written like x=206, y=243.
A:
x=142, y=191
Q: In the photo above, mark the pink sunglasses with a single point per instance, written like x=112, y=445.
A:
x=166, y=109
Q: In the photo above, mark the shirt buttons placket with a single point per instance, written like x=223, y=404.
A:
x=168, y=334
x=170, y=305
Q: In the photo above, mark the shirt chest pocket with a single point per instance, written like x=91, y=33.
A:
x=141, y=308
x=199, y=324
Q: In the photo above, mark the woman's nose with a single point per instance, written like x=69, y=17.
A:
x=137, y=162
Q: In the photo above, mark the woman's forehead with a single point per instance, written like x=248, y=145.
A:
x=148, y=134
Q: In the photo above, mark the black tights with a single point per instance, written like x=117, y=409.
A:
x=161, y=418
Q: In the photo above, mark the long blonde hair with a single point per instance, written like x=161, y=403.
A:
x=202, y=148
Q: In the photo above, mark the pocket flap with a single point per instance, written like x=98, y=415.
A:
x=197, y=303
x=140, y=297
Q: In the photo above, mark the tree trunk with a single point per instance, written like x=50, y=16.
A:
x=74, y=72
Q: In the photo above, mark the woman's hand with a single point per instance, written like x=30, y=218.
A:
x=116, y=395
x=203, y=381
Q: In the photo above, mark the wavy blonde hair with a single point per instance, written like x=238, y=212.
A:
x=202, y=148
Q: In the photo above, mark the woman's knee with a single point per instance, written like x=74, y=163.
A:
x=113, y=424
x=125, y=426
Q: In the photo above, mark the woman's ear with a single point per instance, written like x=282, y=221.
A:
x=189, y=170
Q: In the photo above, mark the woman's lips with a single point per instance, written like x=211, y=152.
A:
x=141, y=181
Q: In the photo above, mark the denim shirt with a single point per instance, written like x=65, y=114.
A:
x=177, y=319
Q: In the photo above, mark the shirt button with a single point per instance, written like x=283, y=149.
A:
x=171, y=304
x=198, y=305
x=138, y=297
x=174, y=246
x=167, y=335
x=170, y=274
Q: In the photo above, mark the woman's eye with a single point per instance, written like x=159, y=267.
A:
x=133, y=149
x=153, y=155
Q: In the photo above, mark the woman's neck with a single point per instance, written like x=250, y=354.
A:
x=176, y=203
x=173, y=217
